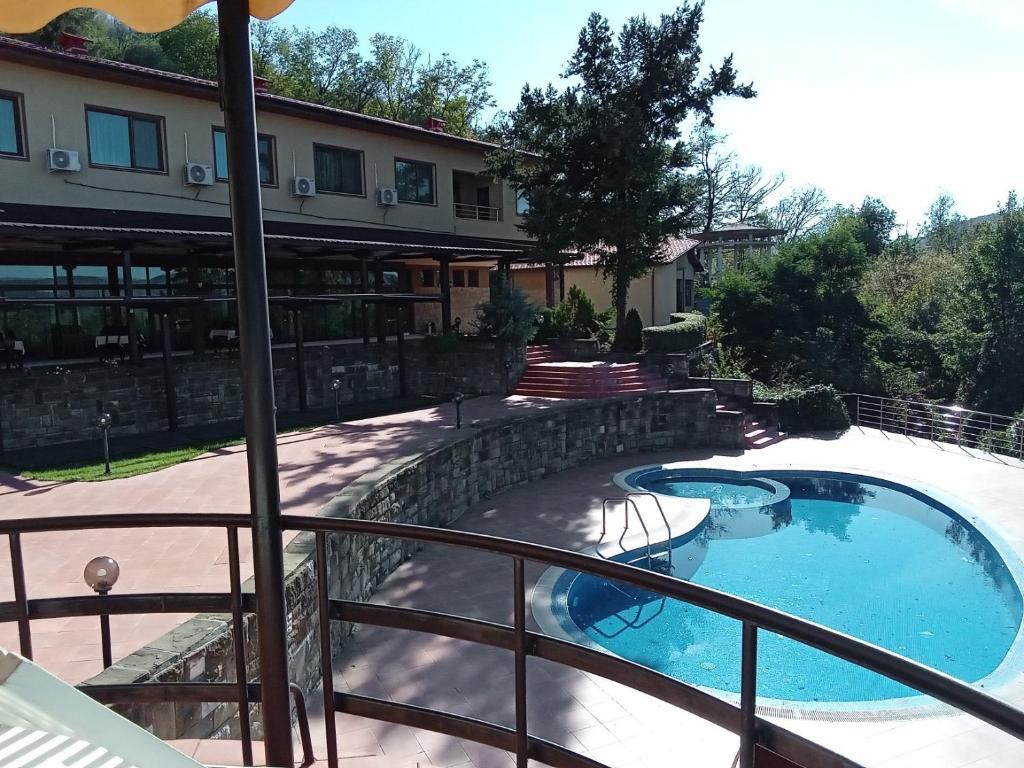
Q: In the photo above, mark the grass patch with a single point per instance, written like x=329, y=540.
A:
x=123, y=466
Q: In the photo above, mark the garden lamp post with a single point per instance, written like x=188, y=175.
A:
x=669, y=371
x=336, y=388
x=101, y=575
x=104, y=422
x=237, y=95
x=508, y=376
x=457, y=398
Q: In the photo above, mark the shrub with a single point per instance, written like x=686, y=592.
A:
x=677, y=337
x=632, y=339
x=508, y=315
x=575, y=317
x=686, y=317
x=818, y=407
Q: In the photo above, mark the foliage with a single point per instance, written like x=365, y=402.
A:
x=396, y=79
x=545, y=327
x=507, y=315
x=687, y=317
x=608, y=175
x=799, y=311
x=632, y=339
x=575, y=317
x=678, y=336
x=818, y=407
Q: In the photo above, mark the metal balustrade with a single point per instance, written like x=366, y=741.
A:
x=481, y=212
x=758, y=737
x=988, y=432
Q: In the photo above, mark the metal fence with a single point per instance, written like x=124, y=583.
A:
x=989, y=432
x=758, y=737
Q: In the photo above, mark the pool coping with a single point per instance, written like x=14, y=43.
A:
x=1006, y=677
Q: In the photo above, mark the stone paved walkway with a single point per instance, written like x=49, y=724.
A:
x=314, y=465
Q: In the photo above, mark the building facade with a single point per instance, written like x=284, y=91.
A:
x=112, y=187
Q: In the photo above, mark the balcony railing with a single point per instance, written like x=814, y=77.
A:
x=757, y=735
x=980, y=430
x=481, y=212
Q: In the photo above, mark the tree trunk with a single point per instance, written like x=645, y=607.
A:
x=621, y=296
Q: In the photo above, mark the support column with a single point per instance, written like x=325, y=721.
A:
x=129, y=310
x=403, y=389
x=446, y=295
x=257, y=366
x=364, y=287
x=561, y=281
x=75, y=316
x=549, y=284
x=170, y=393
x=197, y=311
x=300, y=363
x=379, y=309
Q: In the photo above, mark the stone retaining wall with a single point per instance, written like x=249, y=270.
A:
x=46, y=406
x=433, y=487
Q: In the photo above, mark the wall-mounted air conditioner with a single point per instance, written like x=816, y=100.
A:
x=62, y=160
x=197, y=175
x=387, y=196
x=303, y=186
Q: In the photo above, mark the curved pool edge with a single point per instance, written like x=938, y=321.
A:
x=1007, y=676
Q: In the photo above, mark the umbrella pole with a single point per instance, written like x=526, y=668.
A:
x=238, y=102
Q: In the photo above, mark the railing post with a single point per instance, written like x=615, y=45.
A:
x=20, y=596
x=108, y=656
x=856, y=410
x=522, y=734
x=748, y=696
x=326, y=656
x=238, y=633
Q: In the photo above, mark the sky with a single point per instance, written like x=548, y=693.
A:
x=897, y=99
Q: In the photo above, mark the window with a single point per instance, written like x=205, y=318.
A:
x=265, y=149
x=474, y=277
x=427, y=278
x=122, y=140
x=414, y=181
x=338, y=170
x=12, y=130
x=459, y=278
x=522, y=204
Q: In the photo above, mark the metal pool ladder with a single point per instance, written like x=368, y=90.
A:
x=629, y=500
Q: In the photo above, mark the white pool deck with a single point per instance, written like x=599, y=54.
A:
x=614, y=725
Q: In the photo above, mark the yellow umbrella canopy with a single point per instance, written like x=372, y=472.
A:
x=20, y=16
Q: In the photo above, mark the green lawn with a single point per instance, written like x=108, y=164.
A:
x=126, y=466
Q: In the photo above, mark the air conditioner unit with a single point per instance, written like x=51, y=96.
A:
x=303, y=186
x=62, y=160
x=197, y=175
x=387, y=196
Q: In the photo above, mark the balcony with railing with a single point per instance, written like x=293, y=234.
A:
x=476, y=196
x=480, y=212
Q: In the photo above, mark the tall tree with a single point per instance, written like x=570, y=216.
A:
x=609, y=173
x=749, y=190
x=877, y=222
x=944, y=226
x=799, y=213
x=714, y=169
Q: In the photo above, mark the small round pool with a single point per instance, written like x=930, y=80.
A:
x=864, y=556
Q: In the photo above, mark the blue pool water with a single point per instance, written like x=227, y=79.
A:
x=857, y=556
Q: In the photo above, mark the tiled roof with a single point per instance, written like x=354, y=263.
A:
x=672, y=249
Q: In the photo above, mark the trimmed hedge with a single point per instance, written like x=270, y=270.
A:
x=819, y=407
x=681, y=336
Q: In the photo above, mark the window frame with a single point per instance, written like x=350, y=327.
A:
x=362, y=169
x=472, y=277
x=20, y=126
x=161, y=136
x=458, y=277
x=424, y=282
x=273, y=155
x=433, y=181
x=521, y=197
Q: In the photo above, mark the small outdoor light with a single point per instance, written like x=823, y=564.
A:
x=508, y=374
x=457, y=326
x=104, y=422
x=669, y=371
x=101, y=575
x=457, y=398
x=336, y=388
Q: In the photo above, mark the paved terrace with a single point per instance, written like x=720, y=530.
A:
x=611, y=723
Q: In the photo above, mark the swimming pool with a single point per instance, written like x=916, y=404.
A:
x=860, y=555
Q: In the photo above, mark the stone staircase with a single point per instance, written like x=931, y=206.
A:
x=757, y=433
x=548, y=374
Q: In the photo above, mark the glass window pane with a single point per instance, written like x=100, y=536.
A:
x=522, y=204
x=414, y=181
x=146, y=135
x=108, y=140
x=9, y=127
x=352, y=172
x=266, y=154
x=338, y=170
x=220, y=154
x=474, y=277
